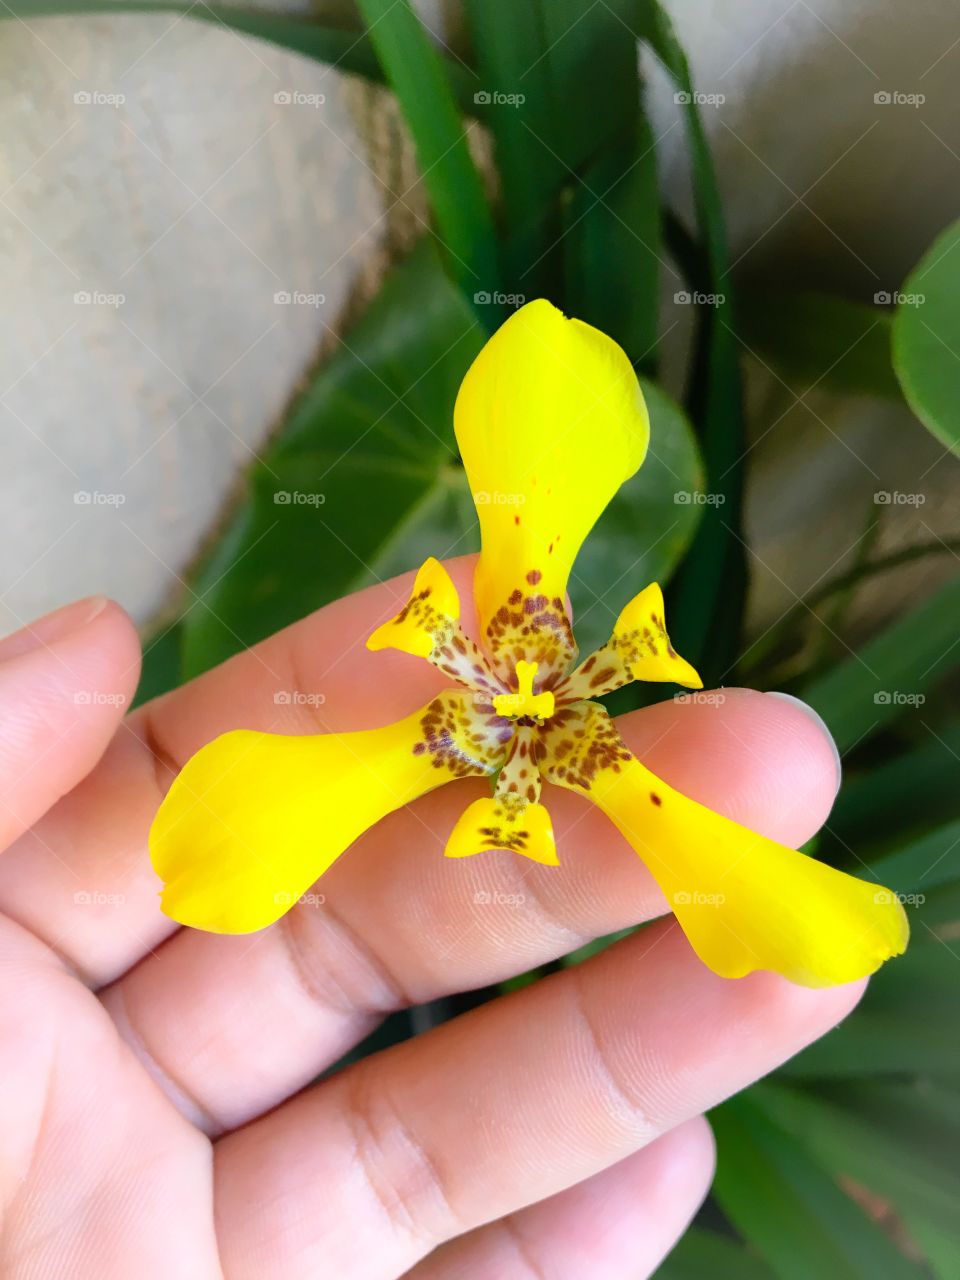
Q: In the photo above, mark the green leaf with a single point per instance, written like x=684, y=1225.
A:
x=891, y=671
x=929, y=863
x=705, y=1255
x=464, y=223
x=646, y=529
x=899, y=797
x=612, y=245
x=926, y=339
x=517, y=106
x=813, y=339
x=906, y=1022
x=790, y=1208
x=706, y=601
x=897, y=1140
x=361, y=478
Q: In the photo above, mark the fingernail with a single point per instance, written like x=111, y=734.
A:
x=821, y=724
x=52, y=627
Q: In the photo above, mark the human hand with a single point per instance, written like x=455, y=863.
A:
x=157, y=1116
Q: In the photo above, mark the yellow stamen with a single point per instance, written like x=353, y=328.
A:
x=525, y=702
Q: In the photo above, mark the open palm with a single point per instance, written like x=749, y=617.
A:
x=157, y=1115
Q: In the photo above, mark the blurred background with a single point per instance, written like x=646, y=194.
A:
x=249, y=255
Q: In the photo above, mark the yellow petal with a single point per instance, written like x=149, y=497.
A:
x=638, y=649
x=495, y=823
x=428, y=626
x=744, y=902
x=254, y=819
x=550, y=422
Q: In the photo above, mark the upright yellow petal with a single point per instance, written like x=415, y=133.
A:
x=744, y=902
x=550, y=421
x=253, y=819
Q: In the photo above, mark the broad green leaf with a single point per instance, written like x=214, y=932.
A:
x=926, y=338
x=344, y=47
x=705, y=1255
x=412, y=65
x=162, y=660
x=789, y=1207
x=891, y=671
x=646, y=529
x=706, y=601
x=364, y=463
x=906, y=1022
x=898, y=1140
x=813, y=339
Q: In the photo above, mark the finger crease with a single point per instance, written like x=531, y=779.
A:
x=625, y=1105
x=401, y=1174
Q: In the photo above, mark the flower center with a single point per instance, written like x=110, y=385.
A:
x=525, y=702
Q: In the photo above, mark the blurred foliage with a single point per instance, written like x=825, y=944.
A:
x=843, y=1165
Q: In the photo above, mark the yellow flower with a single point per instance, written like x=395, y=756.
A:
x=550, y=422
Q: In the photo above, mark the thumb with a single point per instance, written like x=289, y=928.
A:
x=65, y=682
